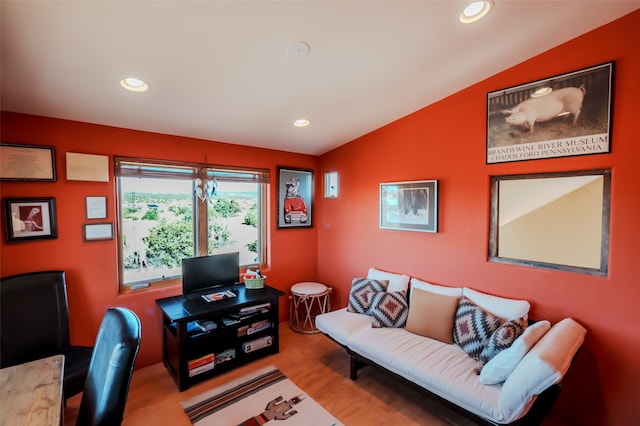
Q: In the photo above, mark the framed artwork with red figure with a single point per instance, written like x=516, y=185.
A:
x=29, y=219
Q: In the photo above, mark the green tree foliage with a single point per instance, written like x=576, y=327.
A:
x=146, y=197
x=221, y=235
x=130, y=213
x=252, y=247
x=185, y=211
x=227, y=207
x=151, y=214
x=251, y=218
x=168, y=243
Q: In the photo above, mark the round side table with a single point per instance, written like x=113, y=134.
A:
x=308, y=299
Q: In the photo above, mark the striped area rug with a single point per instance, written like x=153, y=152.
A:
x=264, y=397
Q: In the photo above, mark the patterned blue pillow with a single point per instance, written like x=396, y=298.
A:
x=362, y=290
x=389, y=309
x=500, y=340
x=473, y=327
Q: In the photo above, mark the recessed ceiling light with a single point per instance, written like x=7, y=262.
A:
x=134, y=84
x=475, y=11
x=301, y=122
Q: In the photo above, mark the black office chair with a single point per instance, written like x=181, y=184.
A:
x=35, y=324
x=110, y=370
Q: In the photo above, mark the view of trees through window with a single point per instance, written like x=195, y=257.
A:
x=158, y=227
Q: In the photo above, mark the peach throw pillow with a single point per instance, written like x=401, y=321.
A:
x=432, y=315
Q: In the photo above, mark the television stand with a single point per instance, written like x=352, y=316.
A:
x=226, y=334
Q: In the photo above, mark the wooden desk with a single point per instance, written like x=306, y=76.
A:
x=31, y=393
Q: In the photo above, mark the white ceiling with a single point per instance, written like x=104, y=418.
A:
x=219, y=70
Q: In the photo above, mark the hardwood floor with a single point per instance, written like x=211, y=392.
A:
x=312, y=361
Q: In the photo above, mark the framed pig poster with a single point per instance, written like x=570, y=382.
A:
x=561, y=116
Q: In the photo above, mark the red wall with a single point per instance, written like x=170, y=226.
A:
x=446, y=141
x=92, y=267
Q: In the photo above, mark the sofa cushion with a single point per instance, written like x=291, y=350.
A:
x=341, y=324
x=473, y=327
x=431, y=315
x=441, y=368
x=500, y=340
x=500, y=366
x=544, y=365
x=397, y=282
x=389, y=309
x=500, y=306
x=362, y=289
x=433, y=288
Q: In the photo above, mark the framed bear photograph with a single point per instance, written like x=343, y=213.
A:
x=409, y=206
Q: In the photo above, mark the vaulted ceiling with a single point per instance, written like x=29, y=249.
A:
x=235, y=71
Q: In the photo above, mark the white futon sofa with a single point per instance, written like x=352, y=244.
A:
x=515, y=380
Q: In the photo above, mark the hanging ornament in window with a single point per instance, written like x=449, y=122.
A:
x=205, y=188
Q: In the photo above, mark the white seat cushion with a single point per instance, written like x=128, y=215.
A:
x=341, y=324
x=443, y=369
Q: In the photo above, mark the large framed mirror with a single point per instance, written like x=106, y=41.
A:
x=552, y=220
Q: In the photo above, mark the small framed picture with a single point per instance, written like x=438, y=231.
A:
x=98, y=231
x=27, y=163
x=87, y=167
x=409, y=206
x=295, y=198
x=96, y=207
x=28, y=219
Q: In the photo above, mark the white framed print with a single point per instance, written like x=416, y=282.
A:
x=98, y=231
x=96, y=207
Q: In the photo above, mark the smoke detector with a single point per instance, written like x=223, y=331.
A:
x=298, y=48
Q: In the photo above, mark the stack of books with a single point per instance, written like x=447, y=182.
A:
x=200, y=365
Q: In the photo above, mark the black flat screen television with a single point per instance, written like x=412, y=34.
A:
x=203, y=273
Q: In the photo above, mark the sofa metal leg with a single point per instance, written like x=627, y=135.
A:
x=356, y=365
x=353, y=370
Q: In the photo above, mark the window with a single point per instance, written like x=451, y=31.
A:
x=168, y=211
x=331, y=185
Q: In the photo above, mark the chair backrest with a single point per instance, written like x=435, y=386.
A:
x=110, y=370
x=34, y=316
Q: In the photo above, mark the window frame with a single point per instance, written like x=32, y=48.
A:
x=176, y=170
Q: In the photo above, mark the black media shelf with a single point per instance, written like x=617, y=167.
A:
x=246, y=329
